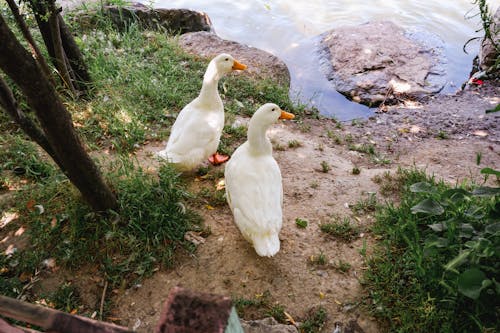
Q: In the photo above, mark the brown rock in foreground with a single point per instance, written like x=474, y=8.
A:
x=261, y=64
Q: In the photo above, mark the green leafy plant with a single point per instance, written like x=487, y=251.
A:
x=440, y=256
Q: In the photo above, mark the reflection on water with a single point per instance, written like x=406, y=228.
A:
x=286, y=29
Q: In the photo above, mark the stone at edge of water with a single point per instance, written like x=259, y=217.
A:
x=173, y=20
x=378, y=62
x=261, y=64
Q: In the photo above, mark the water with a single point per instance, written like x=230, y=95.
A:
x=287, y=29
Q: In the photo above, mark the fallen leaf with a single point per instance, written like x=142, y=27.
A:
x=321, y=295
x=19, y=231
x=415, y=129
x=74, y=311
x=289, y=318
x=480, y=133
x=53, y=222
x=10, y=250
x=24, y=277
x=30, y=204
x=209, y=207
x=50, y=263
x=220, y=185
x=339, y=303
x=7, y=217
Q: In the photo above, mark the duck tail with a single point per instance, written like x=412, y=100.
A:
x=266, y=245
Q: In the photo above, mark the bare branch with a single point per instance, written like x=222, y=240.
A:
x=27, y=35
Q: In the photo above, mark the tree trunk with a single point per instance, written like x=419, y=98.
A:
x=55, y=120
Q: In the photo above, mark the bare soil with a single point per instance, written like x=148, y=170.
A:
x=442, y=136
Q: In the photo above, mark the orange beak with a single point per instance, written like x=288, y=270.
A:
x=239, y=65
x=286, y=115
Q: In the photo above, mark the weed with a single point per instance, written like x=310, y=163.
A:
x=314, y=321
x=319, y=260
x=479, y=156
x=314, y=184
x=294, y=144
x=337, y=139
x=442, y=135
x=356, y=170
x=325, y=167
x=348, y=138
x=363, y=148
x=344, y=230
x=303, y=127
x=66, y=298
x=343, y=266
x=212, y=196
x=301, y=223
x=277, y=311
x=367, y=205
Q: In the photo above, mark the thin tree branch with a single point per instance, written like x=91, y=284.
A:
x=60, y=55
x=27, y=35
x=9, y=103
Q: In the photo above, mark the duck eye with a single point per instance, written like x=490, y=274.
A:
x=274, y=109
x=227, y=59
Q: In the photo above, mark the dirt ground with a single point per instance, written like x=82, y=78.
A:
x=442, y=136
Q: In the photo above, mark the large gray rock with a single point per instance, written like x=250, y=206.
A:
x=488, y=55
x=380, y=62
x=261, y=64
x=266, y=325
x=173, y=20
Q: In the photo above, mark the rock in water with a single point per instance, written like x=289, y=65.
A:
x=380, y=62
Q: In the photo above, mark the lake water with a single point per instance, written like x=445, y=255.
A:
x=287, y=29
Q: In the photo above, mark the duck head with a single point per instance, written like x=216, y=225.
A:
x=223, y=64
x=269, y=113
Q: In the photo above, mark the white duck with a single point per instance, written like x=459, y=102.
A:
x=253, y=184
x=196, y=132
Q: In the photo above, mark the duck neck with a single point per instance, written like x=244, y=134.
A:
x=209, y=93
x=258, y=140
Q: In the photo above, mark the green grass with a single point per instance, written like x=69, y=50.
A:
x=127, y=246
x=142, y=79
x=437, y=267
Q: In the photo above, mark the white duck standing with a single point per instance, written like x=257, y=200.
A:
x=195, y=135
x=254, y=189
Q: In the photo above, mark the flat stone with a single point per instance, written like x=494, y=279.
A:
x=261, y=64
x=266, y=325
x=379, y=62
